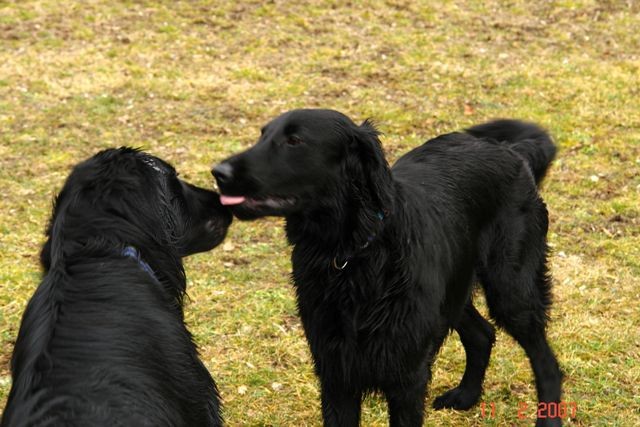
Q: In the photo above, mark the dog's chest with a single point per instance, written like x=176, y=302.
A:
x=364, y=337
x=354, y=307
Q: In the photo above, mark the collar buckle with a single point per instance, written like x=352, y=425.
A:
x=335, y=265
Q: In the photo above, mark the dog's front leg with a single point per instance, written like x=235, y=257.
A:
x=406, y=400
x=340, y=406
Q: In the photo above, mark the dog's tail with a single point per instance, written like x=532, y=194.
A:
x=527, y=139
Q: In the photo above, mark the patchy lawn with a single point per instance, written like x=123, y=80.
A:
x=193, y=81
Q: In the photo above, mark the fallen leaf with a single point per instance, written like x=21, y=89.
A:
x=468, y=109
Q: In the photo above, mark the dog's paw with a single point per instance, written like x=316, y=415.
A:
x=457, y=398
x=548, y=422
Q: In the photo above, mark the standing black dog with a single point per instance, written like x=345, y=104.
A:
x=384, y=260
x=103, y=340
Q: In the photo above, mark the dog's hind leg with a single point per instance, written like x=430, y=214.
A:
x=477, y=336
x=519, y=295
x=526, y=323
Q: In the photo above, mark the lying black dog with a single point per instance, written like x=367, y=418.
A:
x=103, y=341
x=384, y=260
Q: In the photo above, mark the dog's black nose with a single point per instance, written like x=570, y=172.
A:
x=223, y=172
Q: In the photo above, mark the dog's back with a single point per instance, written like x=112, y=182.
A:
x=118, y=351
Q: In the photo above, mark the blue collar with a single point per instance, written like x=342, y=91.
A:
x=131, y=252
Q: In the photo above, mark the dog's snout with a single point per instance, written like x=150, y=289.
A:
x=223, y=172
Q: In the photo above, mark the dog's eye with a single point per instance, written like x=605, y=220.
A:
x=293, y=140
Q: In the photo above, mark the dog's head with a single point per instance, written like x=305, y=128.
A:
x=306, y=159
x=128, y=197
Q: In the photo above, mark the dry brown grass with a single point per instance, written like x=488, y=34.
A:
x=193, y=82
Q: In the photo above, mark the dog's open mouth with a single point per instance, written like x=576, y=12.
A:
x=264, y=202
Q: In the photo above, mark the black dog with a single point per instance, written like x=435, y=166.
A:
x=384, y=260
x=103, y=341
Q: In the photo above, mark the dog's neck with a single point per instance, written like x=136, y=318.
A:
x=341, y=230
x=160, y=262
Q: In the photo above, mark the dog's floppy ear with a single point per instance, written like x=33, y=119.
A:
x=370, y=182
x=45, y=255
x=58, y=210
x=374, y=167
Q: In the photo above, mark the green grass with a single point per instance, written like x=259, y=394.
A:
x=193, y=81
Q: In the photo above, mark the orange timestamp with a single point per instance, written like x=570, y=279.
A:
x=544, y=410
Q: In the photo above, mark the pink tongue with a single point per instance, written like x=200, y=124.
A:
x=231, y=200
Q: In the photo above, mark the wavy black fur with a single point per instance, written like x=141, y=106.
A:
x=455, y=210
x=102, y=341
